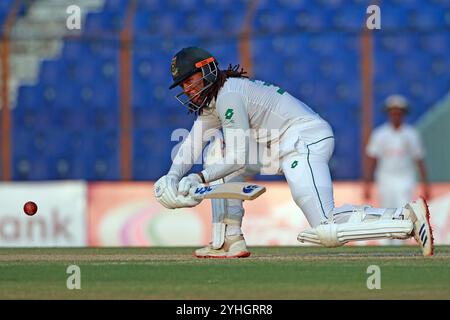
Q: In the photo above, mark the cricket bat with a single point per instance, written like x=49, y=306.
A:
x=231, y=190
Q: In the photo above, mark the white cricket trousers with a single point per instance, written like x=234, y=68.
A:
x=306, y=152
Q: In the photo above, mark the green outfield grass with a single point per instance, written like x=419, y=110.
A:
x=270, y=273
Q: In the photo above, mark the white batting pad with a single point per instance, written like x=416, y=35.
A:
x=334, y=235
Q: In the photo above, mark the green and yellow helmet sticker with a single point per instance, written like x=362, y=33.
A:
x=173, y=67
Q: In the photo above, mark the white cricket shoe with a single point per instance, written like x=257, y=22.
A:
x=419, y=214
x=233, y=247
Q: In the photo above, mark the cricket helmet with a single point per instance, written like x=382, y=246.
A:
x=189, y=61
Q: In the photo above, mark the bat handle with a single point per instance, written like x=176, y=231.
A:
x=197, y=191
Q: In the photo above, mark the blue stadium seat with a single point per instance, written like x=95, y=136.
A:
x=436, y=42
x=428, y=17
x=184, y=4
x=151, y=23
x=150, y=168
x=295, y=46
x=5, y=8
x=384, y=63
x=87, y=70
x=53, y=71
x=152, y=66
x=329, y=4
x=233, y=20
x=327, y=44
x=101, y=23
x=104, y=168
x=162, y=96
x=43, y=141
x=351, y=18
x=142, y=96
x=143, y=22
x=413, y=65
x=29, y=118
x=23, y=142
x=314, y=18
x=101, y=95
x=62, y=95
x=409, y=4
x=269, y=5
x=103, y=118
x=2, y=18
x=271, y=21
x=147, y=141
x=301, y=68
x=115, y=5
x=426, y=91
x=146, y=117
x=224, y=4
x=107, y=48
x=225, y=52
x=30, y=168
x=442, y=3
x=30, y=96
x=105, y=141
x=440, y=66
x=169, y=23
x=393, y=17
x=348, y=92
x=66, y=167
x=398, y=43
x=293, y=4
x=150, y=5
x=151, y=159
x=74, y=49
x=205, y=23
x=264, y=71
x=261, y=46
x=335, y=69
x=6, y=5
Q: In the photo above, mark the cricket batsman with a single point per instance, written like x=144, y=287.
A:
x=227, y=100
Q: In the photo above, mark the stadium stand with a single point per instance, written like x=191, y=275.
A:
x=81, y=119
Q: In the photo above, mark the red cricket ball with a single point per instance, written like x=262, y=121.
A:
x=30, y=208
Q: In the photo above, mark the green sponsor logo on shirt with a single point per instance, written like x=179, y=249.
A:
x=294, y=164
x=229, y=114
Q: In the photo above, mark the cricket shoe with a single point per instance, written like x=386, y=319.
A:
x=233, y=247
x=419, y=214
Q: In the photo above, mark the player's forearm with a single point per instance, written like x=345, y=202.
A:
x=178, y=171
x=185, y=158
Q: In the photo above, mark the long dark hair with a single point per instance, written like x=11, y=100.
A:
x=222, y=76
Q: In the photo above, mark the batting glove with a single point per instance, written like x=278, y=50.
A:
x=191, y=181
x=165, y=190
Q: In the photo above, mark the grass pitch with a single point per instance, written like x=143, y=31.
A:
x=269, y=273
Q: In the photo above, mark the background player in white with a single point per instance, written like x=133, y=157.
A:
x=225, y=99
x=394, y=152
